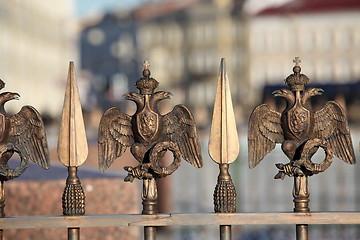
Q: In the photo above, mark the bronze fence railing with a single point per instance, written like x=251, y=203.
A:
x=179, y=219
x=149, y=135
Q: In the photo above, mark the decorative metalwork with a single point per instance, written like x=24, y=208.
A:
x=149, y=135
x=24, y=134
x=72, y=146
x=224, y=144
x=72, y=151
x=73, y=198
x=302, y=132
x=224, y=149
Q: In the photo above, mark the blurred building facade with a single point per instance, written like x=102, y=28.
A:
x=109, y=56
x=187, y=42
x=184, y=42
x=324, y=34
x=37, y=42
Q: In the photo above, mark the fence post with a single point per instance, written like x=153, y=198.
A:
x=149, y=135
x=72, y=151
x=2, y=205
x=301, y=201
x=24, y=134
x=224, y=149
x=301, y=131
x=150, y=199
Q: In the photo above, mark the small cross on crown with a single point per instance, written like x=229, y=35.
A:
x=146, y=65
x=146, y=84
x=297, y=81
x=297, y=61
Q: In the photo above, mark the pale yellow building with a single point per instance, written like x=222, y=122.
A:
x=37, y=42
x=325, y=37
x=185, y=41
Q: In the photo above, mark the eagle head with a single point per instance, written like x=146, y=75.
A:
x=287, y=94
x=282, y=93
x=7, y=96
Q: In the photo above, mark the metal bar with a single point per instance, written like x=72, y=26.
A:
x=301, y=195
x=225, y=232
x=2, y=199
x=224, y=134
x=2, y=205
x=302, y=232
x=200, y=219
x=149, y=197
x=149, y=233
x=72, y=151
x=73, y=233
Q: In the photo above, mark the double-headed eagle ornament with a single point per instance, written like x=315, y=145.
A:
x=300, y=130
x=148, y=133
x=22, y=133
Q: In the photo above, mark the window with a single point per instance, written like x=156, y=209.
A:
x=96, y=37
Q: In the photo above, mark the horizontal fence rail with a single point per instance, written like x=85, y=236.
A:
x=126, y=220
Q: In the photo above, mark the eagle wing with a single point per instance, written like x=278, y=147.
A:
x=264, y=132
x=27, y=134
x=114, y=136
x=331, y=125
x=179, y=127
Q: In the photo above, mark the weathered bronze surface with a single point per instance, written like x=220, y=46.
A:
x=224, y=149
x=72, y=146
x=224, y=144
x=149, y=135
x=24, y=134
x=181, y=219
x=72, y=151
x=302, y=132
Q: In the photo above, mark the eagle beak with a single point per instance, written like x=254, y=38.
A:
x=320, y=91
x=277, y=93
x=16, y=96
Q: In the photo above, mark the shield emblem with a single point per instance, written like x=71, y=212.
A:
x=298, y=121
x=147, y=123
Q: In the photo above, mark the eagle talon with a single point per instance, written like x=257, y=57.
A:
x=298, y=172
x=140, y=172
x=280, y=175
x=129, y=178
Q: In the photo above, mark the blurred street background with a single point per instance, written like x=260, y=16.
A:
x=184, y=41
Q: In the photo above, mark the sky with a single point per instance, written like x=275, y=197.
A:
x=85, y=7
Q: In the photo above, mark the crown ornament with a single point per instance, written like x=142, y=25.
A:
x=146, y=84
x=297, y=81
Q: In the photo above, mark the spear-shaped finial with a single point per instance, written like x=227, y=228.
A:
x=223, y=143
x=72, y=146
